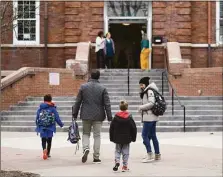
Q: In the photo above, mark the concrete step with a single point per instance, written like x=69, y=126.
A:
x=131, y=101
x=106, y=129
x=136, y=117
x=132, y=70
x=122, y=85
x=153, y=78
x=191, y=98
x=131, y=82
x=138, y=123
x=132, y=90
x=133, y=112
x=116, y=106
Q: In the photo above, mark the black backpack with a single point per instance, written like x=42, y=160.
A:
x=73, y=134
x=159, y=106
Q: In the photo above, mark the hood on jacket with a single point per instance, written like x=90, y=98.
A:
x=123, y=115
x=152, y=86
x=46, y=105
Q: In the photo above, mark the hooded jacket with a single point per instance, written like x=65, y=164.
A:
x=47, y=132
x=123, y=128
x=147, y=104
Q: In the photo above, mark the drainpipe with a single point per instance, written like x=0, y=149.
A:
x=45, y=34
x=209, y=34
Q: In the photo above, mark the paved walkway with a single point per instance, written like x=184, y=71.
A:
x=183, y=154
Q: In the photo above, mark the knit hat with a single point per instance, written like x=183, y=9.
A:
x=144, y=80
x=123, y=105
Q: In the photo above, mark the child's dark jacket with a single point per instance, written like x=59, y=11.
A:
x=123, y=128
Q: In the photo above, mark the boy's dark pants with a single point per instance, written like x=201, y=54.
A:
x=47, y=141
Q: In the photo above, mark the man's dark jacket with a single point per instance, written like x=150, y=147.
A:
x=94, y=102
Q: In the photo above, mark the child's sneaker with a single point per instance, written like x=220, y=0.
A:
x=149, y=158
x=157, y=156
x=45, y=154
x=125, y=168
x=116, y=167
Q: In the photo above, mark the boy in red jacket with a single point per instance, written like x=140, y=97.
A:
x=122, y=131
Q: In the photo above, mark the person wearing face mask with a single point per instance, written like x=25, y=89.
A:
x=149, y=120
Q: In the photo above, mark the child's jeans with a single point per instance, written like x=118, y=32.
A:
x=122, y=149
x=47, y=141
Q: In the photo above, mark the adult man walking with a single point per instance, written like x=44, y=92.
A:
x=94, y=101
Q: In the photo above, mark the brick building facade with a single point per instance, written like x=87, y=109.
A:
x=61, y=25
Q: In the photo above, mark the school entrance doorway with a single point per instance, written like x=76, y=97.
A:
x=127, y=38
x=125, y=20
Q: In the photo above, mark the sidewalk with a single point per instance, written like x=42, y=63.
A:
x=183, y=154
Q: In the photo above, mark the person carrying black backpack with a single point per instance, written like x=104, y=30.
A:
x=149, y=119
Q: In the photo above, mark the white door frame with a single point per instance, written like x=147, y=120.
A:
x=148, y=19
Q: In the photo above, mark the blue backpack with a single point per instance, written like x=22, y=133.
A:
x=46, y=118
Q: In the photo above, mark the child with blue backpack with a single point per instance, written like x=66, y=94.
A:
x=46, y=119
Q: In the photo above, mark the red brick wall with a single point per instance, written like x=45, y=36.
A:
x=56, y=22
x=15, y=58
x=68, y=22
x=208, y=80
x=72, y=22
x=172, y=20
x=200, y=57
x=39, y=86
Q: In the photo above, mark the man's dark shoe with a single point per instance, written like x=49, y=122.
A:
x=97, y=161
x=84, y=157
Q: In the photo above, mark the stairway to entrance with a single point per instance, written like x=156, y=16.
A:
x=202, y=113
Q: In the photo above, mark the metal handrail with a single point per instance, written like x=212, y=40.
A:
x=173, y=92
x=128, y=75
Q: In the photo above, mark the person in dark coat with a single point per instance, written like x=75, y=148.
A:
x=46, y=132
x=109, y=50
x=122, y=132
x=93, y=100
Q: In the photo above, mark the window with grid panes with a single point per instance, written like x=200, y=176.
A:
x=26, y=22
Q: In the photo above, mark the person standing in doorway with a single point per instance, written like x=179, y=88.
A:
x=149, y=119
x=99, y=50
x=145, y=51
x=94, y=101
x=109, y=50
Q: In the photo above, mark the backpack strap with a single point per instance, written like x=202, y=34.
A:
x=155, y=93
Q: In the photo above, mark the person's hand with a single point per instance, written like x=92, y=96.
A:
x=109, y=122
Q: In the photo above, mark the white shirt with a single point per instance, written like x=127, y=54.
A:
x=99, y=44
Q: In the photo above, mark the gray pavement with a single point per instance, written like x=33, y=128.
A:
x=183, y=154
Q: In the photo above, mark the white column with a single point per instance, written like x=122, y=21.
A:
x=105, y=18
